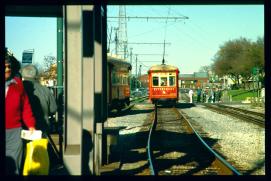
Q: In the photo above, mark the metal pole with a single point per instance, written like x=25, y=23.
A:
x=59, y=56
x=136, y=67
x=60, y=82
x=136, y=74
x=130, y=75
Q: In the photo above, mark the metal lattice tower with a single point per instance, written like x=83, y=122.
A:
x=122, y=33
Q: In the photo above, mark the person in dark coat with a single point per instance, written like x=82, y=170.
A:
x=198, y=94
x=42, y=100
x=43, y=105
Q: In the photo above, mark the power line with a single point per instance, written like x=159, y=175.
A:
x=150, y=17
x=147, y=54
x=149, y=43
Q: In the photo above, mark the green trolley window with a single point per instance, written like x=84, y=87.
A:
x=171, y=80
x=155, y=81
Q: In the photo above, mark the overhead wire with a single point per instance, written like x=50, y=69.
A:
x=195, y=27
x=163, y=61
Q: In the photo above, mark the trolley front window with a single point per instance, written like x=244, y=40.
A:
x=154, y=81
x=163, y=81
x=171, y=80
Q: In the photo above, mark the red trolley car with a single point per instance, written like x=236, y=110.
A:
x=163, y=84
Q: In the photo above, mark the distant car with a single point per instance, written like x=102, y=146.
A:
x=137, y=93
x=144, y=91
x=184, y=90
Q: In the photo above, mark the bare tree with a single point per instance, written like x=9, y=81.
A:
x=49, y=61
x=49, y=67
x=205, y=68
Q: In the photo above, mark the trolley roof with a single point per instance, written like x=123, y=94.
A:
x=118, y=61
x=163, y=67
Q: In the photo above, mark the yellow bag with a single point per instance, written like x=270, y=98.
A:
x=37, y=158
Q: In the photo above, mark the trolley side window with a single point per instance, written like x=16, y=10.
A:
x=155, y=81
x=171, y=80
x=163, y=81
x=125, y=80
x=120, y=79
x=114, y=78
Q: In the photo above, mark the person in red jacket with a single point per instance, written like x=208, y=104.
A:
x=18, y=113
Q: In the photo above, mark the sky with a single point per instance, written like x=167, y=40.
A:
x=24, y=33
x=193, y=42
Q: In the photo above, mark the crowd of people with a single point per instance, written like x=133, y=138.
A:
x=206, y=95
x=28, y=105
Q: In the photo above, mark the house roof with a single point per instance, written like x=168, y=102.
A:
x=194, y=75
x=201, y=74
x=186, y=75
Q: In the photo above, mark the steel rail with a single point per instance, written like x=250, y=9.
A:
x=139, y=99
x=226, y=165
x=242, y=110
x=149, y=146
x=238, y=115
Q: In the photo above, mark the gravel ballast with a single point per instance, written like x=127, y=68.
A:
x=241, y=142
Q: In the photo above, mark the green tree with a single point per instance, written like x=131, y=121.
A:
x=236, y=58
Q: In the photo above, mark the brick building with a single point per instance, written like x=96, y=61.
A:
x=197, y=79
x=144, y=80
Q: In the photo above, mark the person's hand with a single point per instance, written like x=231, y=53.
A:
x=32, y=129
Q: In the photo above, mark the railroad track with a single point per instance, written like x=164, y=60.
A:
x=253, y=113
x=175, y=148
x=250, y=116
x=124, y=110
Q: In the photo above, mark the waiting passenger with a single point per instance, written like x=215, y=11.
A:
x=203, y=96
x=42, y=100
x=191, y=95
x=198, y=95
x=17, y=112
x=43, y=104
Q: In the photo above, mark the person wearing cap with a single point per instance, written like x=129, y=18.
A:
x=41, y=99
x=18, y=113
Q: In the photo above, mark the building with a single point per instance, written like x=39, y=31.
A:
x=144, y=80
x=193, y=81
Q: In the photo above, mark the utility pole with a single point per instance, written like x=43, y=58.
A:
x=109, y=41
x=139, y=71
x=123, y=31
x=131, y=61
x=136, y=66
x=131, y=56
x=139, y=75
x=116, y=40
